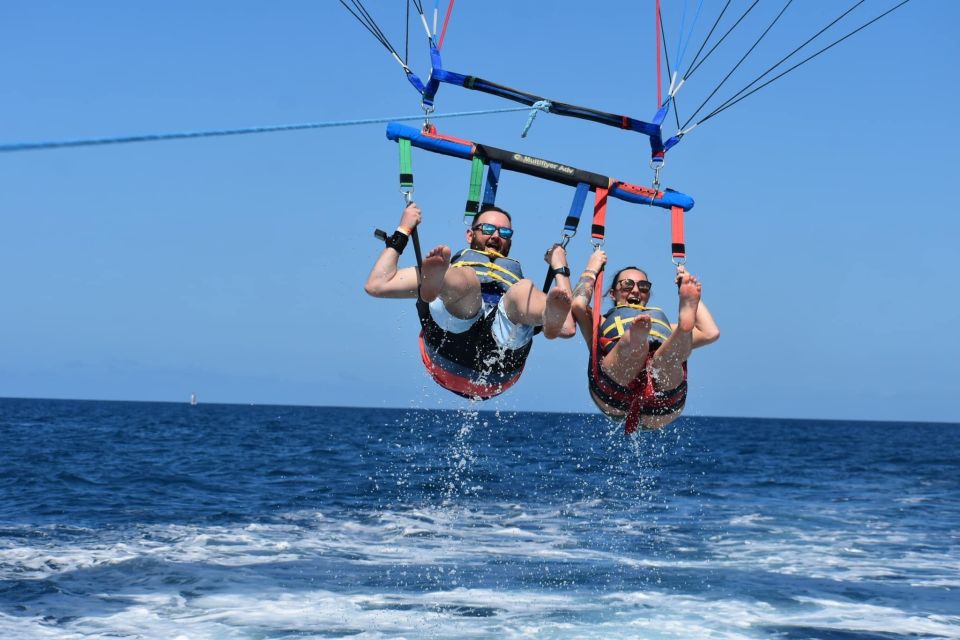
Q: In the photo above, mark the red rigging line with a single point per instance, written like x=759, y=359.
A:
x=446, y=21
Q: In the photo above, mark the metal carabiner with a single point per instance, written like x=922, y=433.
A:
x=564, y=240
x=656, y=166
x=427, y=110
x=407, y=194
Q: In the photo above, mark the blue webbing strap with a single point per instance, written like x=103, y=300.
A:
x=493, y=181
x=433, y=83
x=576, y=210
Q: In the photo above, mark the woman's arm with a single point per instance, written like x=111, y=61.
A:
x=583, y=294
x=705, y=329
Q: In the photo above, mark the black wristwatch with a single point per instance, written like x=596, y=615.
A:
x=562, y=271
x=398, y=241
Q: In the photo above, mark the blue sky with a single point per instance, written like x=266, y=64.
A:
x=824, y=230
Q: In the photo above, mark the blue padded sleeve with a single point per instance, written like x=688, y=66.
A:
x=395, y=131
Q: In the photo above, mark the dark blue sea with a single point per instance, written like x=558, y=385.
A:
x=170, y=521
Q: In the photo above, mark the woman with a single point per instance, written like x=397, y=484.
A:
x=638, y=359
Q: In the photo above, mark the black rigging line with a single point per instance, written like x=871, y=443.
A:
x=789, y=55
x=802, y=62
x=666, y=55
x=406, y=39
x=736, y=66
x=367, y=21
x=419, y=5
x=720, y=41
x=707, y=39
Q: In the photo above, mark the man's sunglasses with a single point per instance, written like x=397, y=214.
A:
x=627, y=285
x=488, y=229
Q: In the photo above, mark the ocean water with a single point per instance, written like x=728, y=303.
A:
x=148, y=520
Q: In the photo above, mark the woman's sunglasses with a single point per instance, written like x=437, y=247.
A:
x=488, y=229
x=627, y=285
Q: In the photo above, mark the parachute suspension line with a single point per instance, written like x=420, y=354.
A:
x=436, y=10
x=406, y=39
x=418, y=5
x=364, y=18
x=726, y=106
x=788, y=56
x=683, y=22
x=739, y=62
x=657, y=28
x=720, y=41
x=716, y=23
x=686, y=42
x=446, y=21
x=666, y=57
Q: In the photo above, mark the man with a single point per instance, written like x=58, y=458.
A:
x=476, y=310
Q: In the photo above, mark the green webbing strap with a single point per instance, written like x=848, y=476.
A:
x=476, y=185
x=406, y=165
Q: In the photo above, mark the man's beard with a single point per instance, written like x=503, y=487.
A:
x=492, y=244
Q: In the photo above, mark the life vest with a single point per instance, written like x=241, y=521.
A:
x=497, y=272
x=616, y=321
x=471, y=364
x=640, y=398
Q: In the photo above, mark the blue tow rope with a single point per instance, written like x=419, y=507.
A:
x=155, y=137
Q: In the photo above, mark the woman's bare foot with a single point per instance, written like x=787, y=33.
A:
x=690, y=289
x=635, y=340
x=435, y=265
x=555, y=313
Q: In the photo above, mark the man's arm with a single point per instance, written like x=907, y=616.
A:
x=385, y=279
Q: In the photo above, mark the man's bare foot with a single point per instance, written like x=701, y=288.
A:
x=690, y=289
x=557, y=308
x=435, y=265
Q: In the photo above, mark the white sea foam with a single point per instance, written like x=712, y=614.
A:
x=235, y=600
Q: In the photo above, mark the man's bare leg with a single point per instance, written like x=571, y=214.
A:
x=625, y=361
x=556, y=311
x=526, y=304
x=666, y=366
x=458, y=289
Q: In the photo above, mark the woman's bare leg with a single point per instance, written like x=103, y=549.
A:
x=625, y=361
x=666, y=366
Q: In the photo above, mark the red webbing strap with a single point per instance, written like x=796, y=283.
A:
x=597, y=231
x=633, y=414
x=595, y=339
x=676, y=228
x=599, y=228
